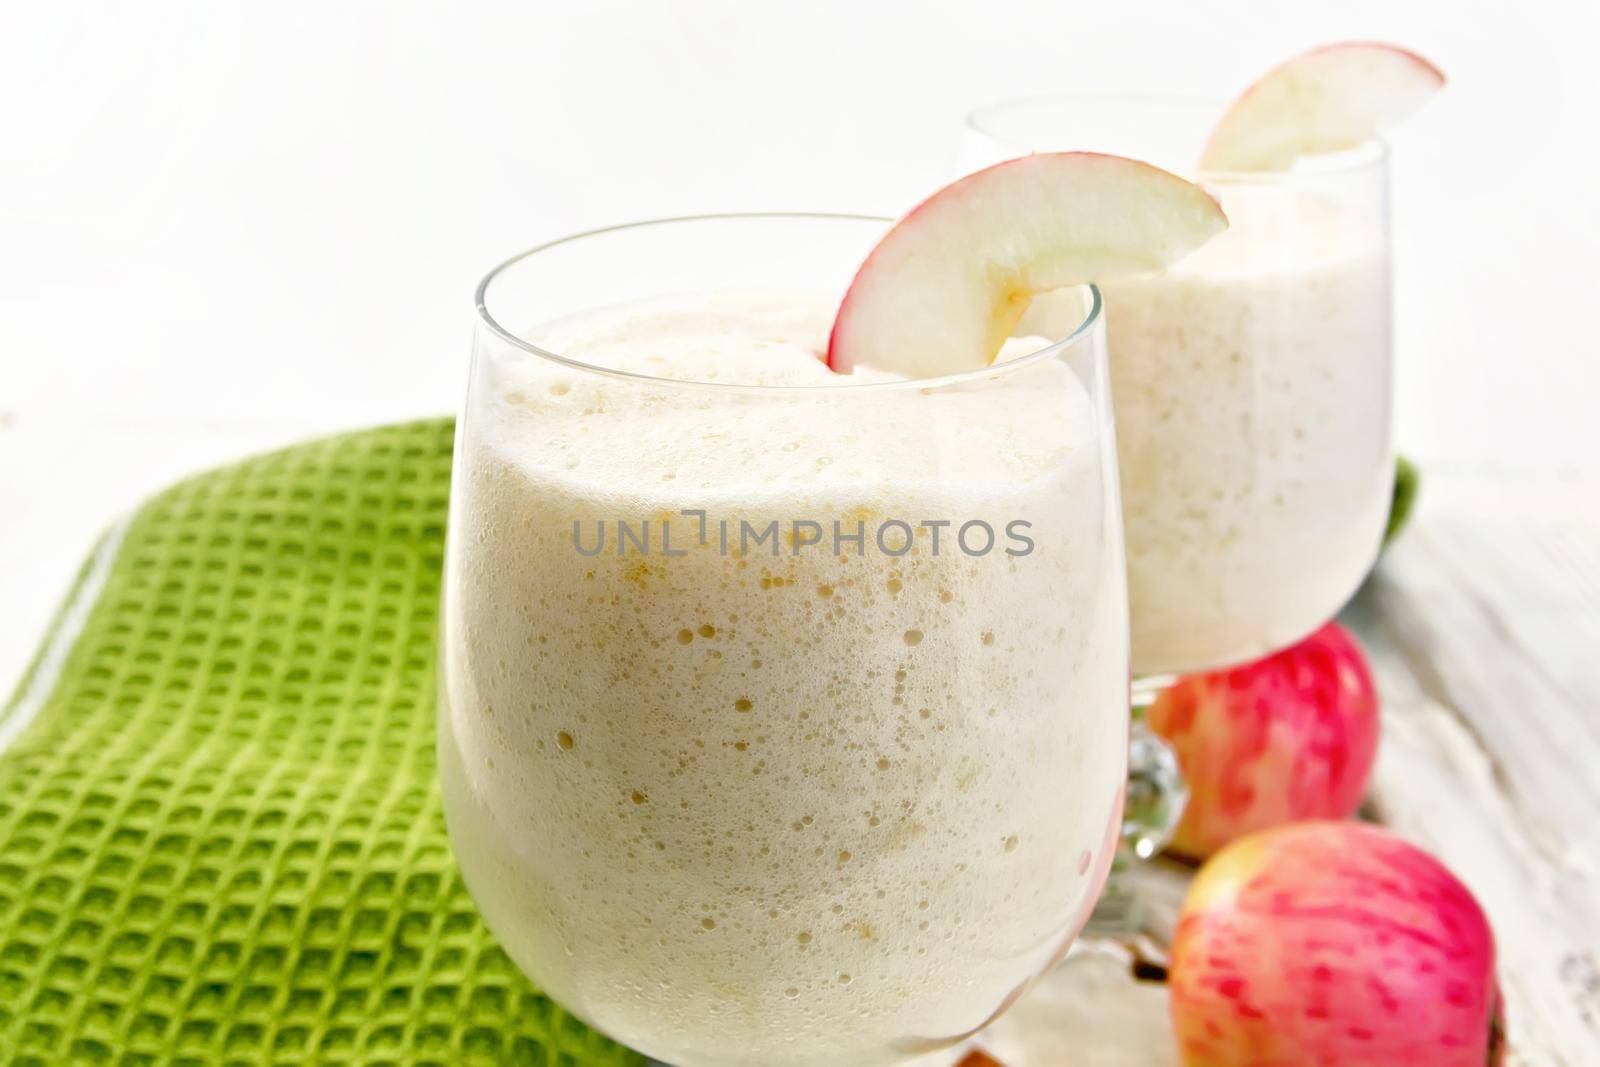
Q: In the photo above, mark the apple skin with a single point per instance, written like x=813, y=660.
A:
x=1286, y=738
x=1333, y=944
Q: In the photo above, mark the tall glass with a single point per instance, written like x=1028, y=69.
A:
x=779, y=724
x=1251, y=384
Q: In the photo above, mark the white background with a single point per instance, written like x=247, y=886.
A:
x=224, y=226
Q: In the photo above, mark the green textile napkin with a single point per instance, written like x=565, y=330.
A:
x=220, y=837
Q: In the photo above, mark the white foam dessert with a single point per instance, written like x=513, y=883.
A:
x=1252, y=390
x=818, y=806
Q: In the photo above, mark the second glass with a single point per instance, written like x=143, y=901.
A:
x=1251, y=385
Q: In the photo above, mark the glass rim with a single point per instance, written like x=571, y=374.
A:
x=1371, y=154
x=486, y=318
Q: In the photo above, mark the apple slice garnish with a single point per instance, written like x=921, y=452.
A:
x=946, y=285
x=1330, y=99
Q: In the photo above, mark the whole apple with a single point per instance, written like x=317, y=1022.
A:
x=1332, y=944
x=1283, y=739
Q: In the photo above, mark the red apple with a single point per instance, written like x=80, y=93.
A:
x=1286, y=738
x=1332, y=944
x=1331, y=98
x=946, y=285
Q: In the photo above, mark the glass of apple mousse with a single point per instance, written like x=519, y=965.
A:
x=1251, y=381
x=783, y=711
x=1251, y=384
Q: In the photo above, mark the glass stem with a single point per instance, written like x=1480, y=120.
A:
x=1156, y=797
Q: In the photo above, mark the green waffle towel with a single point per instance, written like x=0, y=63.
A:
x=220, y=837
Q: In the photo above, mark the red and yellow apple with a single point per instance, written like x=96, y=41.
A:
x=947, y=284
x=1332, y=944
x=1329, y=99
x=1283, y=739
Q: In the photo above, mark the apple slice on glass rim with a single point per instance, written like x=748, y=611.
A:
x=1329, y=99
x=945, y=287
